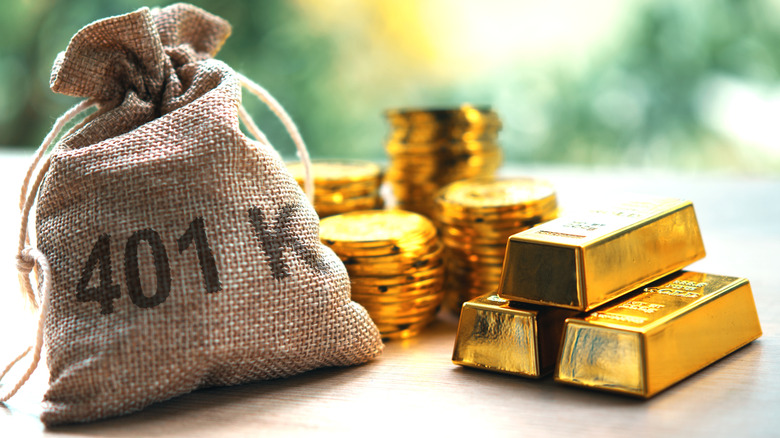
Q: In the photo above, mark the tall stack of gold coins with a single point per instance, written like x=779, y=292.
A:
x=394, y=260
x=475, y=218
x=429, y=149
x=342, y=185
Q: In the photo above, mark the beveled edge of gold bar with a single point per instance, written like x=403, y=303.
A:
x=481, y=303
x=649, y=353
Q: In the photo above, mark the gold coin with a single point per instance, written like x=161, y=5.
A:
x=403, y=331
x=526, y=196
x=402, y=309
x=332, y=210
x=484, y=253
x=352, y=187
x=393, y=229
x=431, y=184
x=403, y=190
x=401, y=290
x=406, y=319
x=442, y=166
x=491, y=224
x=347, y=191
x=421, y=297
x=474, y=278
x=367, y=266
x=489, y=236
x=415, y=256
x=330, y=172
x=375, y=226
x=443, y=170
x=424, y=209
x=387, y=328
x=364, y=281
x=436, y=132
x=483, y=273
x=409, y=318
x=462, y=280
x=465, y=114
x=474, y=271
x=347, y=253
x=383, y=269
x=452, y=126
x=396, y=299
x=474, y=262
x=354, y=203
x=452, y=147
x=482, y=221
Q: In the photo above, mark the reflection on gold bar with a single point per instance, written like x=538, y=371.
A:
x=514, y=338
x=585, y=260
x=648, y=341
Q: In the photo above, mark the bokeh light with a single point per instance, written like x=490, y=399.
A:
x=663, y=84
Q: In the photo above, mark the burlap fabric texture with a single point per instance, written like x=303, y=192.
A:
x=182, y=253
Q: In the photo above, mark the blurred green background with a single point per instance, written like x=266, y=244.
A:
x=637, y=83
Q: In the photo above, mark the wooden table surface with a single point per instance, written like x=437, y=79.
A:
x=414, y=388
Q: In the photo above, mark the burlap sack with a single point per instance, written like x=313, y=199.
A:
x=182, y=253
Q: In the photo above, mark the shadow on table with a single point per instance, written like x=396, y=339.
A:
x=206, y=410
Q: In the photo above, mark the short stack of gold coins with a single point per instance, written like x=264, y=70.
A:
x=475, y=218
x=429, y=149
x=600, y=298
x=394, y=261
x=342, y=185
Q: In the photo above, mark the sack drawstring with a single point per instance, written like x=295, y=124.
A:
x=252, y=127
x=292, y=130
x=27, y=257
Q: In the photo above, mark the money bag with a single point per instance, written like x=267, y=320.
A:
x=174, y=252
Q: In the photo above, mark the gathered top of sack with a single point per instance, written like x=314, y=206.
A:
x=142, y=63
x=173, y=251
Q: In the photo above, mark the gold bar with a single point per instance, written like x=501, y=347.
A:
x=644, y=343
x=497, y=335
x=583, y=261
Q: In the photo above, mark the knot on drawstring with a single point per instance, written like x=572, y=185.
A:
x=25, y=262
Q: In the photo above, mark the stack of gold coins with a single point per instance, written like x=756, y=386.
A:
x=395, y=265
x=429, y=149
x=342, y=185
x=475, y=218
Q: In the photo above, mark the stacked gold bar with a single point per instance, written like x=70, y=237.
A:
x=643, y=343
x=475, y=218
x=394, y=260
x=636, y=340
x=341, y=186
x=429, y=149
x=582, y=261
